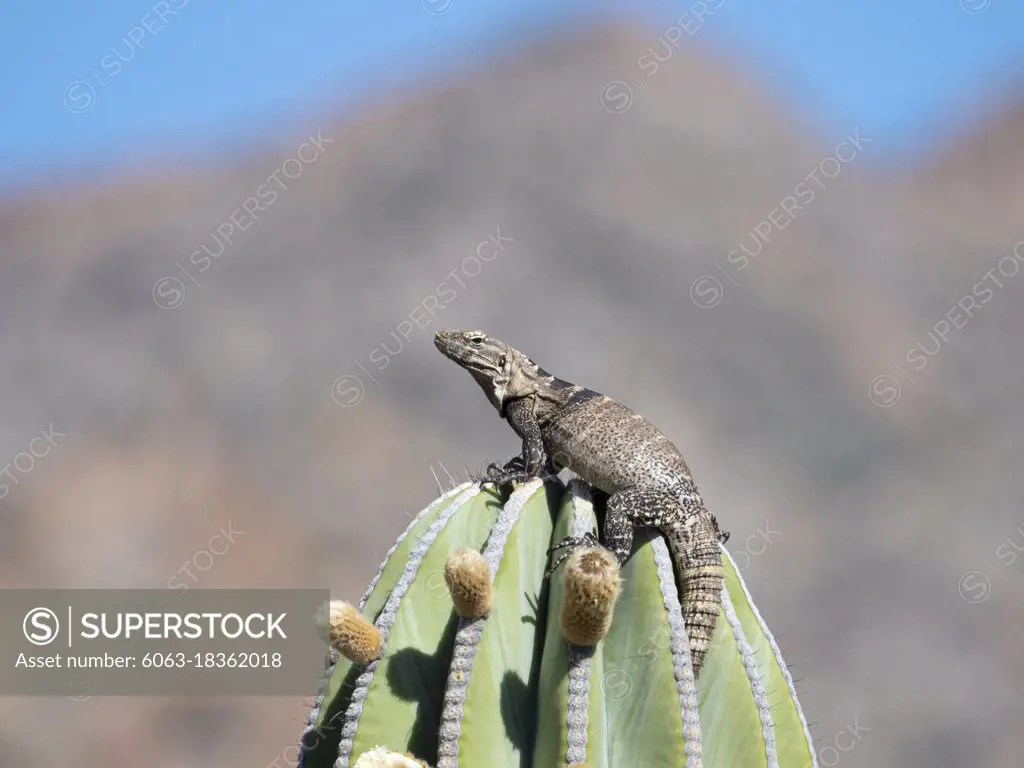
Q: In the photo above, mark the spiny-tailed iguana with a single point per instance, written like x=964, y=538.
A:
x=612, y=448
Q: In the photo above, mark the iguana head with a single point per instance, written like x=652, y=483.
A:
x=494, y=364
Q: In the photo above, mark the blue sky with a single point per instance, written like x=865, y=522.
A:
x=220, y=74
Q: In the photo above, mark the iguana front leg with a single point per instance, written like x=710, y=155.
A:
x=534, y=459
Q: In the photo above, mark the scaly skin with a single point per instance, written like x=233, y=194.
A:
x=613, y=449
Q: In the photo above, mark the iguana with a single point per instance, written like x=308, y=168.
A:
x=612, y=448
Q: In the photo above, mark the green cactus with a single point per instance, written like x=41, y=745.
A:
x=507, y=689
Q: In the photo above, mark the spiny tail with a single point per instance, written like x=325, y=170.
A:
x=695, y=544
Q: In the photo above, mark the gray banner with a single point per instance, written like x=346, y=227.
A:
x=123, y=642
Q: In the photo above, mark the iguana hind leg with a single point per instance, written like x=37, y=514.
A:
x=692, y=537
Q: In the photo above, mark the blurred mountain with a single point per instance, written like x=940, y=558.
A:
x=622, y=181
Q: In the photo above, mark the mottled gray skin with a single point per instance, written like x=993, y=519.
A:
x=612, y=448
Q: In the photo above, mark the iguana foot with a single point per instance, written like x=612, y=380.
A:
x=515, y=464
x=496, y=475
x=569, y=544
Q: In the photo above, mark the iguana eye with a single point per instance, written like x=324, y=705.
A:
x=476, y=341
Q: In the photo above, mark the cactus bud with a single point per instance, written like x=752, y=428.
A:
x=343, y=627
x=381, y=757
x=469, y=581
x=592, y=584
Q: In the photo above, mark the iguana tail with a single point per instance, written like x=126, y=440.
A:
x=695, y=545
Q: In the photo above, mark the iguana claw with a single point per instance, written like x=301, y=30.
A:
x=570, y=543
x=512, y=472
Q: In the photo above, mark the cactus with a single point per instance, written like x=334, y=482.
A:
x=461, y=657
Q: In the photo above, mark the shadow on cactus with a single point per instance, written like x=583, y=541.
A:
x=459, y=653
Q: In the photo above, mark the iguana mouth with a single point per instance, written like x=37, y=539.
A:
x=458, y=352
